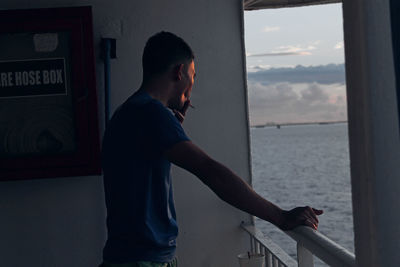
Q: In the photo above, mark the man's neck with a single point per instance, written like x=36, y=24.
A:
x=158, y=90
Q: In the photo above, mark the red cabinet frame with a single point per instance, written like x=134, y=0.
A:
x=85, y=159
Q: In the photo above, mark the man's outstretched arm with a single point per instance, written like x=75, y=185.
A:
x=232, y=189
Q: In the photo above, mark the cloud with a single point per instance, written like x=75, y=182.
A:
x=313, y=94
x=339, y=45
x=324, y=74
x=300, y=53
x=289, y=50
x=294, y=48
x=287, y=102
x=255, y=68
x=271, y=29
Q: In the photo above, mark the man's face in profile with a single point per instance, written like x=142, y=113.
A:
x=184, y=86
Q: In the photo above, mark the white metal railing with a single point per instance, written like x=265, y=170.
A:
x=309, y=243
x=275, y=256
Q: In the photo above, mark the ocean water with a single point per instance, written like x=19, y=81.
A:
x=302, y=165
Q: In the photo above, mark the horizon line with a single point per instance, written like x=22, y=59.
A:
x=275, y=124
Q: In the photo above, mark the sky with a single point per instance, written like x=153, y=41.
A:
x=295, y=64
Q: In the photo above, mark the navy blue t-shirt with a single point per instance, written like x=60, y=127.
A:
x=141, y=220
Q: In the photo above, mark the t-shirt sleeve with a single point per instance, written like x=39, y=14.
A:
x=162, y=127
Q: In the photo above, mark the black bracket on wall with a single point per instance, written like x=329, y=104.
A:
x=108, y=51
x=395, y=21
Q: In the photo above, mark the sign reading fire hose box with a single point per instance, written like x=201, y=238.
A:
x=36, y=77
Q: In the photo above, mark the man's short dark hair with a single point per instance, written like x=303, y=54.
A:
x=162, y=51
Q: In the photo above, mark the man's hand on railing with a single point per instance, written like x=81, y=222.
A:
x=299, y=216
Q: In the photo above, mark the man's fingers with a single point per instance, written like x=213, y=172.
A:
x=308, y=213
x=310, y=217
x=185, y=107
x=178, y=115
x=311, y=224
x=318, y=212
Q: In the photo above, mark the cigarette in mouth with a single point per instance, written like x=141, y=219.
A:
x=190, y=105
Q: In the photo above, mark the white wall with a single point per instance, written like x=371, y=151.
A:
x=374, y=132
x=60, y=222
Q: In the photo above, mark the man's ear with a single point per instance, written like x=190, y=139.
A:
x=178, y=72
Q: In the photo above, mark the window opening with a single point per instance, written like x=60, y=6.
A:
x=298, y=116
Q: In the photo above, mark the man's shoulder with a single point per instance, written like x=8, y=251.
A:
x=141, y=99
x=142, y=107
x=138, y=103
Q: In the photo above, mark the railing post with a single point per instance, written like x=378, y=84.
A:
x=304, y=256
x=268, y=258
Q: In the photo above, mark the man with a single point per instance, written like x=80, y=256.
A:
x=142, y=139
